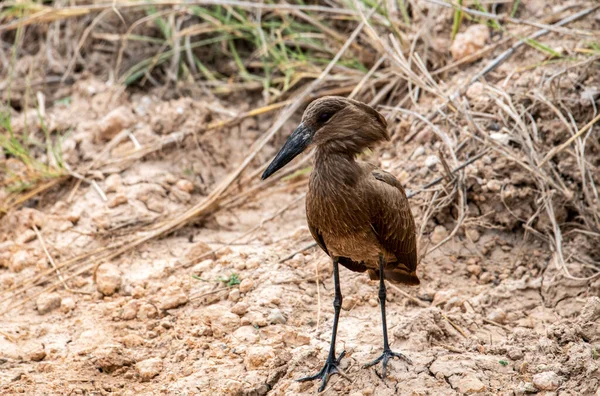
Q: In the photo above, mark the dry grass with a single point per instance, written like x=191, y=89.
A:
x=291, y=53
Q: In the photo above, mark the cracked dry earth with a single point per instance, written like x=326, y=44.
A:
x=492, y=316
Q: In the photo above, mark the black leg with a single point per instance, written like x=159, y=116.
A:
x=331, y=364
x=387, y=352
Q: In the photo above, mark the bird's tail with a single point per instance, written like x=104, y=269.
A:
x=397, y=275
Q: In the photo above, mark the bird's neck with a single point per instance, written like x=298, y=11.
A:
x=334, y=170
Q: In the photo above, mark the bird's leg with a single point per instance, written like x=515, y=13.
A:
x=331, y=364
x=387, y=352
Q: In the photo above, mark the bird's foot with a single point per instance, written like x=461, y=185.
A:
x=385, y=357
x=331, y=367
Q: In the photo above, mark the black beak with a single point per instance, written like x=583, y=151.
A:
x=296, y=143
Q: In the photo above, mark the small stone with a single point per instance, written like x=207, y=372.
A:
x=114, y=122
x=67, y=304
x=472, y=234
x=439, y=234
x=225, y=324
x=348, y=303
x=474, y=269
x=469, y=384
x=254, y=319
x=138, y=292
x=258, y=356
x=497, y=315
x=469, y=41
x=26, y=236
x=246, y=285
x=486, y=277
x=108, y=279
x=475, y=90
x=47, y=302
x=240, y=308
x=74, y=215
x=494, y=185
x=431, y=160
x=525, y=388
x=149, y=368
x=306, y=299
x=130, y=310
x=547, y=380
x=147, y=311
x=234, y=295
x=132, y=341
x=203, y=266
x=37, y=353
x=180, y=195
x=117, y=200
x=174, y=300
x=20, y=260
x=372, y=302
x=246, y=334
x=276, y=317
x=292, y=338
x=113, y=183
x=185, y=185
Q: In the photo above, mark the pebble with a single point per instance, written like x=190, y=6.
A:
x=497, y=315
x=472, y=234
x=110, y=358
x=419, y=151
x=470, y=384
x=246, y=285
x=240, y=308
x=180, y=195
x=439, y=234
x=373, y=302
x=26, y=236
x=276, y=317
x=114, y=122
x=258, y=356
x=67, y=304
x=234, y=295
x=469, y=41
x=174, y=300
x=47, y=302
x=349, y=302
x=185, y=185
x=149, y=368
x=132, y=340
x=224, y=324
x=486, y=277
x=37, y=353
x=130, y=310
x=474, y=269
x=247, y=334
x=548, y=380
x=108, y=279
x=254, y=319
x=431, y=161
x=295, y=339
x=113, y=183
x=117, y=200
x=203, y=266
x=20, y=260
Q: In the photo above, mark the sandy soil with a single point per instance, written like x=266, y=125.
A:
x=493, y=314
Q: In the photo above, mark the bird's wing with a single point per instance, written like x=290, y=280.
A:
x=393, y=221
x=345, y=261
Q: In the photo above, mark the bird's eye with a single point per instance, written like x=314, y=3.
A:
x=324, y=117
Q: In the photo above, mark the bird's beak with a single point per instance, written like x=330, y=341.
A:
x=298, y=141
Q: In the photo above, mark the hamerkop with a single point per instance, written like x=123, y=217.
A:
x=358, y=214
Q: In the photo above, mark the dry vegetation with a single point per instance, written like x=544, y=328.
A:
x=141, y=253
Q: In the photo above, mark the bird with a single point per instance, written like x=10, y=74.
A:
x=357, y=213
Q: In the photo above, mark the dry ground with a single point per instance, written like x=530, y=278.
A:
x=214, y=309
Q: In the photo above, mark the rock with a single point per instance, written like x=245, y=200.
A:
x=117, y=200
x=224, y=324
x=472, y=234
x=185, y=185
x=26, y=236
x=468, y=384
x=486, y=277
x=258, y=356
x=132, y=340
x=547, y=380
x=174, y=300
x=114, y=122
x=149, y=368
x=234, y=295
x=113, y=183
x=246, y=285
x=203, y=266
x=373, y=302
x=36, y=353
x=47, y=302
x=246, y=334
x=276, y=317
x=475, y=91
x=474, y=269
x=20, y=260
x=240, y=308
x=293, y=339
x=108, y=279
x=439, y=234
x=470, y=41
x=525, y=387
x=254, y=318
x=431, y=160
x=130, y=310
x=147, y=311
x=180, y=195
x=498, y=315
x=349, y=302
x=67, y=304
x=109, y=358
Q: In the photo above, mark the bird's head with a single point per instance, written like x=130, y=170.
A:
x=332, y=124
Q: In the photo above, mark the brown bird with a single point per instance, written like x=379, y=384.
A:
x=358, y=214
